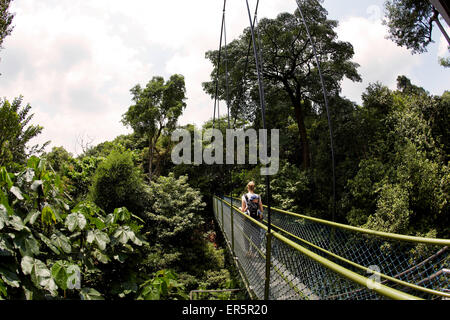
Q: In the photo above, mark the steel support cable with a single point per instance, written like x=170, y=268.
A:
x=216, y=100
x=241, y=95
x=325, y=97
x=263, y=116
x=227, y=90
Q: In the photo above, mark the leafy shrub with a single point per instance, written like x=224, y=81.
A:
x=175, y=210
x=49, y=251
x=78, y=174
x=118, y=183
x=164, y=285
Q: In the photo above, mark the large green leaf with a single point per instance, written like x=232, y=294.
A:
x=150, y=293
x=5, y=178
x=100, y=256
x=98, y=237
x=3, y=216
x=99, y=223
x=40, y=274
x=66, y=275
x=3, y=292
x=49, y=243
x=74, y=276
x=33, y=162
x=5, y=203
x=59, y=274
x=10, y=278
x=36, y=184
x=28, y=175
x=48, y=215
x=16, y=191
x=61, y=241
x=122, y=214
x=90, y=294
x=75, y=220
x=123, y=234
x=6, y=247
x=32, y=217
x=17, y=224
x=27, y=244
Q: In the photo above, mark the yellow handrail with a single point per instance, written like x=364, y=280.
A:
x=386, y=235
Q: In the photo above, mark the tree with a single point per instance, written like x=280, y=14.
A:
x=410, y=23
x=57, y=158
x=401, y=184
x=175, y=210
x=118, y=183
x=16, y=133
x=5, y=20
x=157, y=108
x=289, y=70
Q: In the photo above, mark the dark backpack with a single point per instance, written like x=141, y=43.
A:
x=252, y=207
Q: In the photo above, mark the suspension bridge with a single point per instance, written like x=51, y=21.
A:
x=291, y=256
x=305, y=258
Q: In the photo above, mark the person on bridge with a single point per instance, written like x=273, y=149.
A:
x=252, y=203
x=252, y=206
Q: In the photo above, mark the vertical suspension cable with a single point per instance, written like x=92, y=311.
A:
x=325, y=97
x=242, y=91
x=263, y=115
x=216, y=100
x=227, y=91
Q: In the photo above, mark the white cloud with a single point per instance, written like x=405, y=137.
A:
x=443, y=50
x=380, y=59
x=75, y=60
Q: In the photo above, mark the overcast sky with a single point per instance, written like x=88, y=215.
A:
x=75, y=61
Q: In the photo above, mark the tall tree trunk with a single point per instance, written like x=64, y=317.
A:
x=300, y=117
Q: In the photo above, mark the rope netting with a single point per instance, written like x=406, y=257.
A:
x=317, y=259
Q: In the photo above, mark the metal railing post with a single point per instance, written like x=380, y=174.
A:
x=232, y=229
x=268, y=259
x=221, y=210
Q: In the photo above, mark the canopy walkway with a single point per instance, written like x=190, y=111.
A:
x=314, y=259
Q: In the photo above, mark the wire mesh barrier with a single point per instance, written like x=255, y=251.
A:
x=317, y=259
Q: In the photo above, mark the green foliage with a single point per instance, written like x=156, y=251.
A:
x=157, y=108
x=290, y=72
x=410, y=23
x=78, y=174
x=118, y=183
x=5, y=20
x=15, y=133
x=445, y=62
x=401, y=186
x=175, y=210
x=50, y=251
x=162, y=286
x=392, y=214
x=57, y=158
